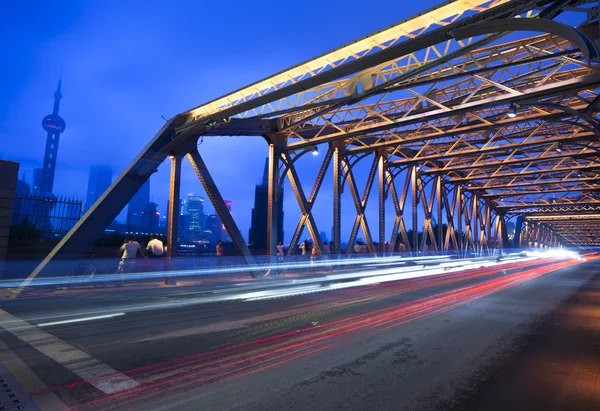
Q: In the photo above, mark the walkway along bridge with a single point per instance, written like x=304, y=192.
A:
x=473, y=113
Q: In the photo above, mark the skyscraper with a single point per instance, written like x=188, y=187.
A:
x=99, y=180
x=54, y=125
x=215, y=227
x=149, y=219
x=137, y=205
x=195, y=209
x=183, y=233
x=258, y=226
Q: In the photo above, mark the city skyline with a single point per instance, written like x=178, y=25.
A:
x=115, y=107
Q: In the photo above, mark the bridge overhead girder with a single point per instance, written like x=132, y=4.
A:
x=474, y=130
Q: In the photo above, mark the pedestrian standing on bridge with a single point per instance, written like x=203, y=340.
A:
x=326, y=253
x=220, y=251
x=313, y=255
x=305, y=248
x=280, y=251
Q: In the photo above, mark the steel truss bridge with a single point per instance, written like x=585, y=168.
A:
x=473, y=113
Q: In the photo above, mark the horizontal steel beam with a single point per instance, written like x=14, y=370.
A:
x=507, y=185
x=496, y=148
x=539, y=192
x=513, y=162
x=493, y=176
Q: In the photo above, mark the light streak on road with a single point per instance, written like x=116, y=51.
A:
x=168, y=379
x=340, y=262
x=295, y=287
x=79, y=320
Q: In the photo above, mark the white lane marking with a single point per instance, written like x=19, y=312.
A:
x=100, y=375
x=78, y=320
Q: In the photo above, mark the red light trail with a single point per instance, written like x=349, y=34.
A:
x=168, y=378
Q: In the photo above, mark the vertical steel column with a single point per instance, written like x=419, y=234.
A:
x=440, y=231
x=337, y=194
x=488, y=225
x=474, y=220
x=173, y=212
x=415, y=202
x=459, y=216
x=503, y=231
x=173, y=215
x=382, y=196
x=273, y=200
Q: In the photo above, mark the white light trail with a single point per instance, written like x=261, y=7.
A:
x=343, y=261
x=78, y=320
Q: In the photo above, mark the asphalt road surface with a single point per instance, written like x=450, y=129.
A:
x=456, y=340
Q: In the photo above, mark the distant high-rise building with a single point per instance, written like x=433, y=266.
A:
x=183, y=207
x=258, y=226
x=99, y=181
x=195, y=212
x=323, y=236
x=183, y=233
x=150, y=219
x=214, y=225
x=137, y=205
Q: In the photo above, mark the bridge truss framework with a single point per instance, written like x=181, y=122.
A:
x=463, y=114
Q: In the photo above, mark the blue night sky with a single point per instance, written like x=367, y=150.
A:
x=128, y=63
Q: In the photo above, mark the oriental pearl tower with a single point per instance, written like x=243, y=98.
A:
x=54, y=125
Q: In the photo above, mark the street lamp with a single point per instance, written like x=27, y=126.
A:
x=512, y=110
x=315, y=151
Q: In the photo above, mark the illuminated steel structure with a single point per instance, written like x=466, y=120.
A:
x=462, y=114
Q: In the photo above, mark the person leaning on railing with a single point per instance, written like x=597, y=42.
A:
x=129, y=252
x=155, y=248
